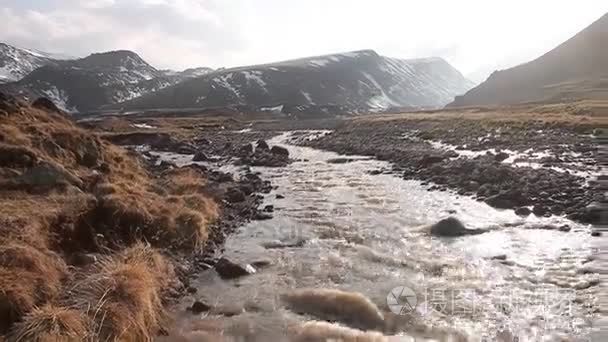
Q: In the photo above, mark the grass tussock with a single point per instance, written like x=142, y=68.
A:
x=73, y=193
x=123, y=295
x=50, y=323
x=28, y=277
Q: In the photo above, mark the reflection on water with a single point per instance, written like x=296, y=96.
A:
x=362, y=233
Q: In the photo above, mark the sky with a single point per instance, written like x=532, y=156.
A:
x=475, y=36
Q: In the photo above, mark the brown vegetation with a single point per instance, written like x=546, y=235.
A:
x=66, y=193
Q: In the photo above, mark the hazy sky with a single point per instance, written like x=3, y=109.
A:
x=475, y=36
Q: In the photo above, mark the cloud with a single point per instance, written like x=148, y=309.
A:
x=473, y=35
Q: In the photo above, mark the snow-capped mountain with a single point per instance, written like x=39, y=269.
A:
x=360, y=81
x=188, y=73
x=16, y=62
x=94, y=81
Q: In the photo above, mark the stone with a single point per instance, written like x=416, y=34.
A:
x=539, y=210
x=200, y=156
x=199, y=307
x=278, y=150
x=246, y=149
x=523, y=211
x=430, y=160
x=501, y=156
x=452, y=227
x=230, y=270
x=46, y=105
x=235, y=196
x=262, y=145
x=48, y=174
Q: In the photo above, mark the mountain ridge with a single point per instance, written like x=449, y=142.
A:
x=357, y=81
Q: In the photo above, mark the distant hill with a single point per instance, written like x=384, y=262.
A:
x=17, y=62
x=97, y=80
x=577, y=69
x=360, y=81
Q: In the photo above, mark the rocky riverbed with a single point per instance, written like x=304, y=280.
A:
x=312, y=243
x=534, y=168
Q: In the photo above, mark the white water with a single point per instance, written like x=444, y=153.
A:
x=363, y=234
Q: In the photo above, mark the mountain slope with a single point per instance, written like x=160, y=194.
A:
x=91, y=82
x=16, y=62
x=576, y=69
x=353, y=82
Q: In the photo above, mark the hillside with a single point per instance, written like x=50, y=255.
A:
x=16, y=62
x=353, y=82
x=73, y=210
x=576, y=69
x=94, y=81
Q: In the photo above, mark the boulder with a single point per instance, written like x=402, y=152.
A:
x=262, y=145
x=278, y=150
x=430, y=160
x=46, y=105
x=501, y=156
x=452, y=227
x=47, y=174
x=230, y=270
x=523, y=211
x=246, y=149
x=200, y=156
x=235, y=196
x=199, y=307
x=539, y=210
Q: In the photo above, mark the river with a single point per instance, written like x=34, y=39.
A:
x=341, y=227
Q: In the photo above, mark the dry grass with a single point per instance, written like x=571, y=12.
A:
x=583, y=114
x=52, y=324
x=123, y=295
x=28, y=277
x=112, y=204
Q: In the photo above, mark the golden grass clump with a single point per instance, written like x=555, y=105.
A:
x=51, y=323
x=114, y=204
x=123, y=296
x=28, y=277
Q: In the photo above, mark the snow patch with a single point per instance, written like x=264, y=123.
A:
x=308, y=97
x=59, y=98
x=318, y=62
x=144, y=125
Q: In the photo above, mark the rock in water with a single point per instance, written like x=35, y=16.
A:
x=235, y=195
x=198, y=307
x=452, y=227
x=282, y=151
x=200, y=156
x=230, y=270
x=262, y=145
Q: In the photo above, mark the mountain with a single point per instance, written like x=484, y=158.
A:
x=88, y=83
x=353, y=82
x=576, y=69
x=16, y=62
x=188, y=73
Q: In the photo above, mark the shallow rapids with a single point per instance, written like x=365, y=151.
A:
x=341, y=227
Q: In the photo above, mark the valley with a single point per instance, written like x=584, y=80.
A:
x=347, y=197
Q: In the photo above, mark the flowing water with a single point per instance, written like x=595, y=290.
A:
x=340, y=227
